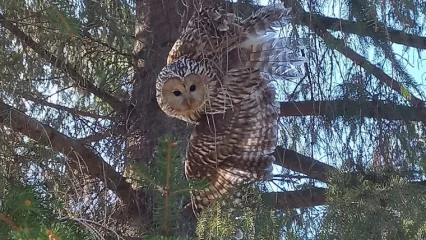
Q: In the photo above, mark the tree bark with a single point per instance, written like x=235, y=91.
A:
x=295, y=199
x=157, y=28
x=353, y=109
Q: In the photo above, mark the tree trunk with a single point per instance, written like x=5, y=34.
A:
x=156, y=30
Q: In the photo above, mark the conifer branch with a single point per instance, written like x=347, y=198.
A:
x=98, y=136
x=58, y=107
x=82, y=158
x=348, y=108
x=303, y=164
x=169, y=159
x=358, y=28
x=61, y=64
x=295, y=199
x=384, y=78
x=362, y=29
x=9, y=222
x=339, y=45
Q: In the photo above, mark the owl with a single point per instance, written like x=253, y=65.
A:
x=216, y=79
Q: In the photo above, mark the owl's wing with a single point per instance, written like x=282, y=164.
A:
x=233, y=148
x=209, y=32
x=265, y=48
x=259, y=51
x=249, y=69
x=278, y=57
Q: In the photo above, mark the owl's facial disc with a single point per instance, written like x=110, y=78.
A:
x=186, y=95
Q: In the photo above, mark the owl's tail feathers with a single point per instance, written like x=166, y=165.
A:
x=279, y=57
x=250, y=167
x=222, y=184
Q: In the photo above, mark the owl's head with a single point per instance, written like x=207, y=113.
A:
x=183, y=88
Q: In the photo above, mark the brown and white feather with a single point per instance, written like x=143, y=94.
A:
x=236, y=124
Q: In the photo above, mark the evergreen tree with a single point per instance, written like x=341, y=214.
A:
x=87, y=154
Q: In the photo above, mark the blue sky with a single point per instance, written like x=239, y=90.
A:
x=415, y=64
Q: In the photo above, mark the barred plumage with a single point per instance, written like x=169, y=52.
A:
x=228, y=149
x=215, y=79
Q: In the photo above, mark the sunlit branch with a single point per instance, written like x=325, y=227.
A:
x=339, y=45
x=81, y=158
x=295, y=199
x=72, y=111
x=303, y=164
x=361, y=29
x=350, y=108
x=62, y=65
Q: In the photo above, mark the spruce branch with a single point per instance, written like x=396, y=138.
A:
x=63, y=20
x=169, y=158
x=163, y=178
x=99, y=136
x=384, y=78
x=295, y=199
x=9, y=221
x=362, y=29
x=303, y=164
x=357, y=27
x=73, y=111
x=79, y=154
x=30, y=214
x=61, y=64
x=340, y=46
x=349, y=109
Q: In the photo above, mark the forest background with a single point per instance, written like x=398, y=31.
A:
x=87, y=154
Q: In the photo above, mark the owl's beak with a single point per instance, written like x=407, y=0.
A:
x=188, y=102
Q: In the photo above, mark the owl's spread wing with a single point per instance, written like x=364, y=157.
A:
x=213, y=33
x=209, y=32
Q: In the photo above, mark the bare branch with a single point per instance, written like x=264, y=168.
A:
x=295, y=199
x=347, y=108
x=61, y=64
x=82, y=158
x=303, y=164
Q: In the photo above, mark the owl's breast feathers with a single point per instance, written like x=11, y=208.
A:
x=231, y=148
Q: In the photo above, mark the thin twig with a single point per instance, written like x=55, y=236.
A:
x=62, y=65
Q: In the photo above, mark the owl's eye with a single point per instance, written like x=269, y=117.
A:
x=177, y=93
x=192, y=88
